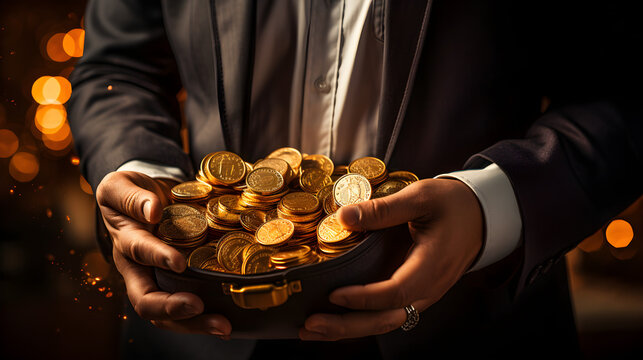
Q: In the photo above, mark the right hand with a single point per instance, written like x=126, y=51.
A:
x=131, y=203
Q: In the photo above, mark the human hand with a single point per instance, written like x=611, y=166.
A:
x=131, y=203
x=446, y=224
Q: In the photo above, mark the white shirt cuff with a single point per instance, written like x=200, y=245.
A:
x=154, y=170
x=500, y=209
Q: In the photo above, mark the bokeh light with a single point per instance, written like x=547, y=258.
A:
x=8, y=143
x=84, y=185
x=55, y=49
x=24, y=166
x=50, y=119
x=73, y=42
x=619, y=233
x=59, y=140
x=51, y=90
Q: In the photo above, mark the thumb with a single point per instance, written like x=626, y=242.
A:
x=399, y=208
x=121, y=193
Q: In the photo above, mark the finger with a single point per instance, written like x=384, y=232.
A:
x=211, y=324
x=140, y=245
x=408, y=284
x=399, y=208
x=121, y=193
x=331, y=327
x=148, y=301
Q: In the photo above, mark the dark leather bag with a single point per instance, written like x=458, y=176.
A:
x=276, y=304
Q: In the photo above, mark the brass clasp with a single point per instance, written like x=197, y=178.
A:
x=262, y=296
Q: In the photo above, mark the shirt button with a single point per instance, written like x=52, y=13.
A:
x=322, y=85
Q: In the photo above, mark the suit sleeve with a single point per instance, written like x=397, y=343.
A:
x=123, y=104
x=581, y=163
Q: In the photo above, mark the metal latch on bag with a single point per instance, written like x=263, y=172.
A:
x=262, y=296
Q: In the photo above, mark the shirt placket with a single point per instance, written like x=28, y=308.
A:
x=320, y=85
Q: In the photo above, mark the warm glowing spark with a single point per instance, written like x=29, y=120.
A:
x=75, y=160
x=619, y=233
x=109, y=87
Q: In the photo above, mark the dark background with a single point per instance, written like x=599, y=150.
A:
x=60, y=299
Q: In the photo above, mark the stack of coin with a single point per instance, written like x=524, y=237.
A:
x=292, y=156
x=225, y=171
x=278, y=164
x=191, y=192
x=223, y=215
x=332, y=239
x=371, y=168
x=397, y=180
x=182, y=226
x=304, y=211
x=265, y=187
x=292, y=256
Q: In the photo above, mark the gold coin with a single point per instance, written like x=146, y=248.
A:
x=318, y=161
x=257, y=262
x=265, y=181
x=300, y=202
x=405, y=176
x=389, y=187
x=330, y=206
x=175, y=210
x=272, y=214
x=278, y=164
x=313, y=180
x=291, y=155
x=275, y=232
x=252, y=219
x=212, y=265
x=231, y=203
x=226, y=168
x=191, y=190
x=182, y=222
x=324, y=192
x=291, y=253
x=370, y=167
x=199, y=255
x=229, y=251
x=351, y=189
x=331, y=231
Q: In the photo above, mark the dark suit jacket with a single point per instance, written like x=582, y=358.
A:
x=463, y=84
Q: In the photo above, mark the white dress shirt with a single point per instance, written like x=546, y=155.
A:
x=332, y=105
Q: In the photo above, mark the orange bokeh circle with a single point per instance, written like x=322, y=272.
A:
x=55, y=49
x=73, y=42
x=50, y=119
x=24, y=166
x=8, y=143
x=619, y=233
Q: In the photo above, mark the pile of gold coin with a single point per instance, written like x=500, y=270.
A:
x=182, y=226
x=274, y=214
x=191, y=192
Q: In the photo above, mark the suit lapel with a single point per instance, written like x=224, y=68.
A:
x=233, y=22
x=404, y=32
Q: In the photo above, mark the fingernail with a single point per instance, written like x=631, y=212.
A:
x=189, y=310
x=350, y=215
x=147, y=210
x=216, y=331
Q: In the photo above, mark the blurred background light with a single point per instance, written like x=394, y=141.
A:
x=48, y=90
x=73, y=42
x=50, y=119
x=619, y=233
x=24, y=166
x=8, y=143
x=55, y=49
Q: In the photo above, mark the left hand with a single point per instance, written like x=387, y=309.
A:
x=446, y=224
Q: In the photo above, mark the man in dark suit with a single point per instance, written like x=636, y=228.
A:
x=424, y=85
